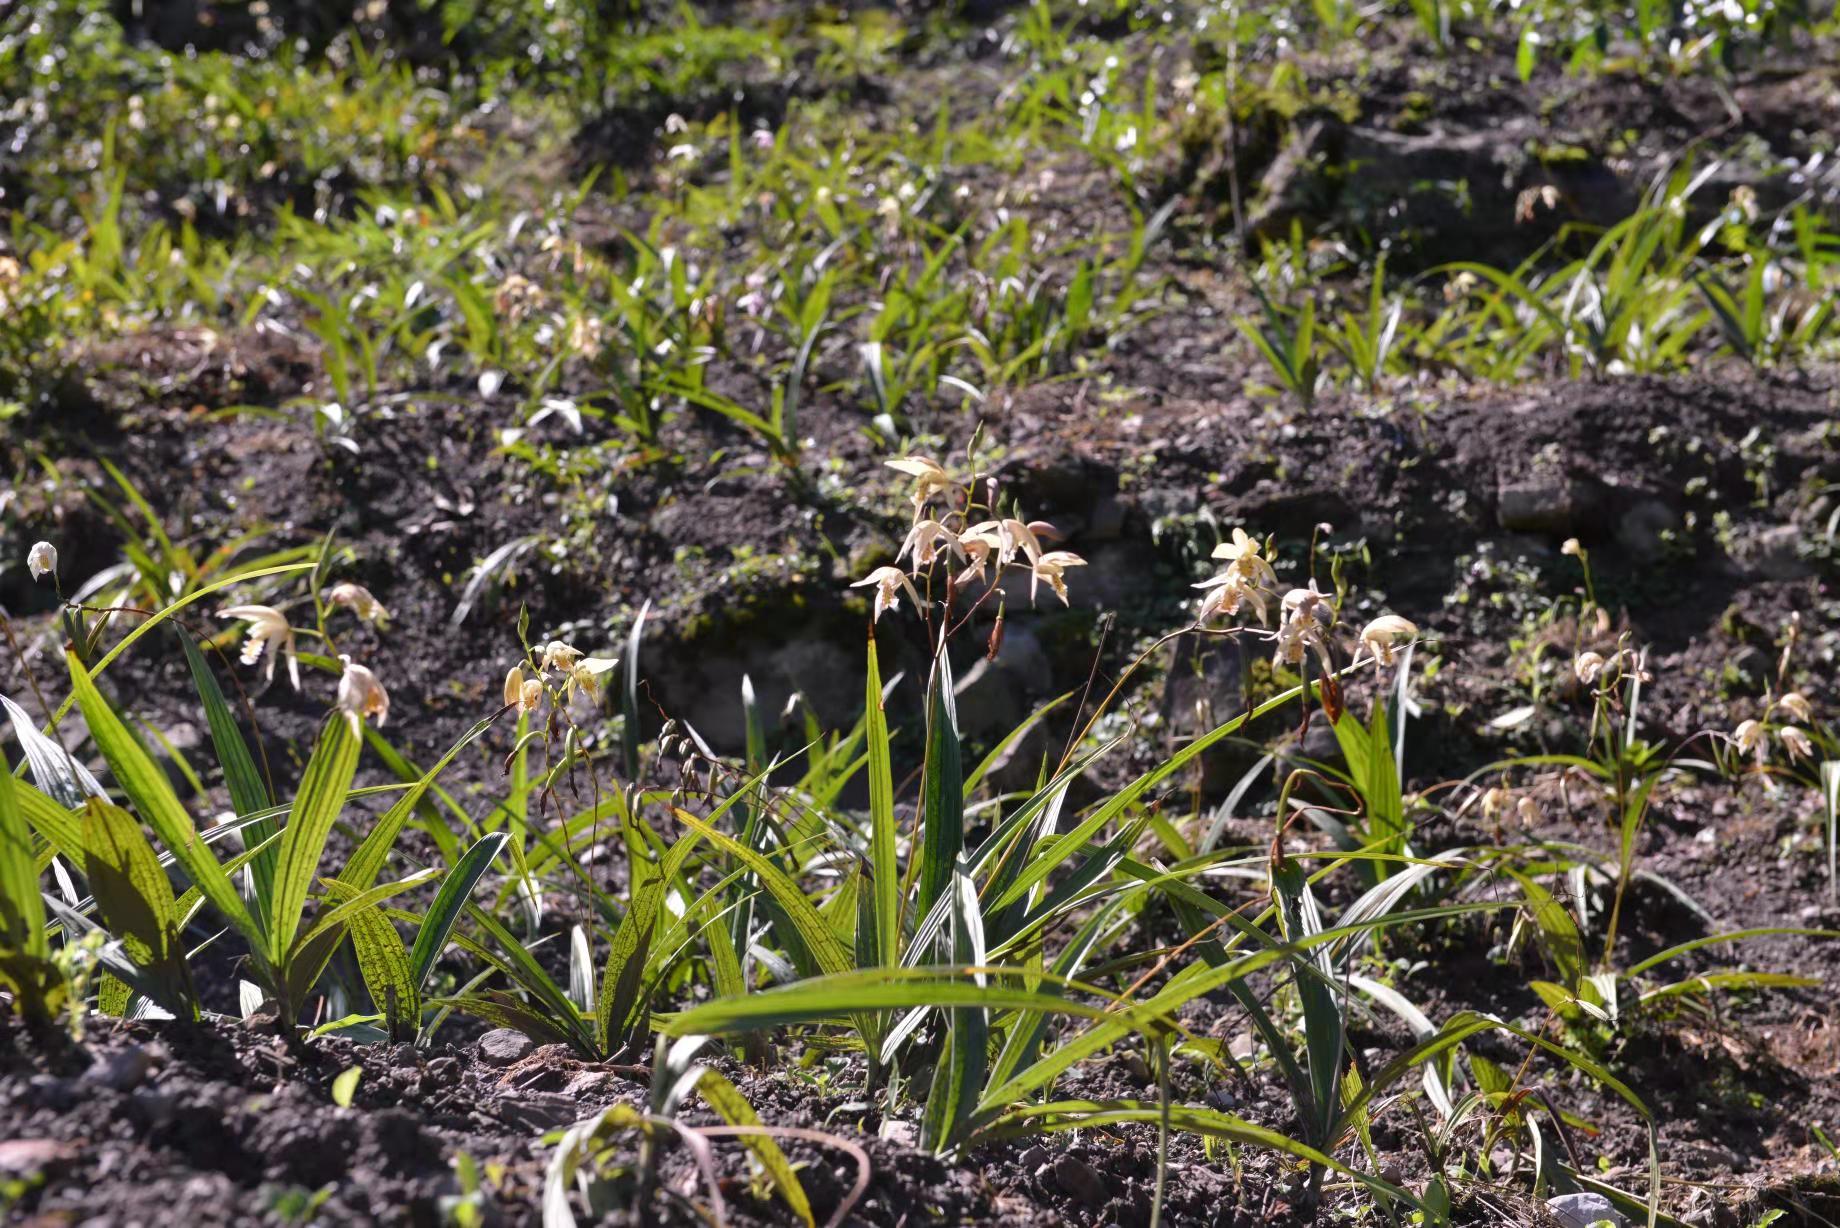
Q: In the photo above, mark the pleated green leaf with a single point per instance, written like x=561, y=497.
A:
x=385, y=967
x=152, y=795
x=135, y=900
x=316, y=806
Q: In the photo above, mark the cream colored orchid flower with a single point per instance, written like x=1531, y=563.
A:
x=1306, y=616
x=1796, y=742
x=1247, y=580
x=924, y=541
x=1018, y=536
x=269, y=636
x=358, y=599
x=1377, y=637
x=1052, y=567
x=585, y=675
x=889, y=582
x=1751, y=738
x=522, y=693
x=1589, y=666
x=41, y=560
x=981, y=544
x=361, y=695
x=1796, y=705
x=1245, y=556
x=558, y=655
x=929, y=477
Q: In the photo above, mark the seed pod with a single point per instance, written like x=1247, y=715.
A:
x=995, y=644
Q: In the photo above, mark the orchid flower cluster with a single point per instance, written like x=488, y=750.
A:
x=977, y=547
x=1752, y=737
x=269, y=637
x=1306, y=615
x=558, y=673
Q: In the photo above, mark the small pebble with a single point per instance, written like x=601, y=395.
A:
x=504, y=1046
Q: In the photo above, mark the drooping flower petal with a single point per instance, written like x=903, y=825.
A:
x=269, y=636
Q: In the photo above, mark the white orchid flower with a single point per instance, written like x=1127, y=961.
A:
x=361, y=695
x=41, y=560
x=269, y=636
x=929, y=477
x=1796, y=742
x=1052, y=567
x=924, y=541
x=558, y=655
x=889, y=582
x=1589, y=666
x=1378, y=636
x=358, y=599
x=1306, y=616
x=585, y=675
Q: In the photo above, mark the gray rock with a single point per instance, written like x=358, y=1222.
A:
x=901, y=1133
x=23, y=1157
x=1105, y=522
x=1772, y=553
x=1078, y=1179
x=1641, y=529
x=588, y=1083
x=1551, y=505
x=121, y=1072
x=1583, y=1210
x=504, y=1046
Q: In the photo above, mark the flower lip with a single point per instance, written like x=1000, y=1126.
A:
x=269, y=636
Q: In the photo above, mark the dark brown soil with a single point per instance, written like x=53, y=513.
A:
x=1703, y=501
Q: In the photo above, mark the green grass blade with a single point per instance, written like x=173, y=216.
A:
x=827, y=952
x=959, y=1079
x=367, y=863
x=731, y=1106
x=54, y=769
x=623, y=978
